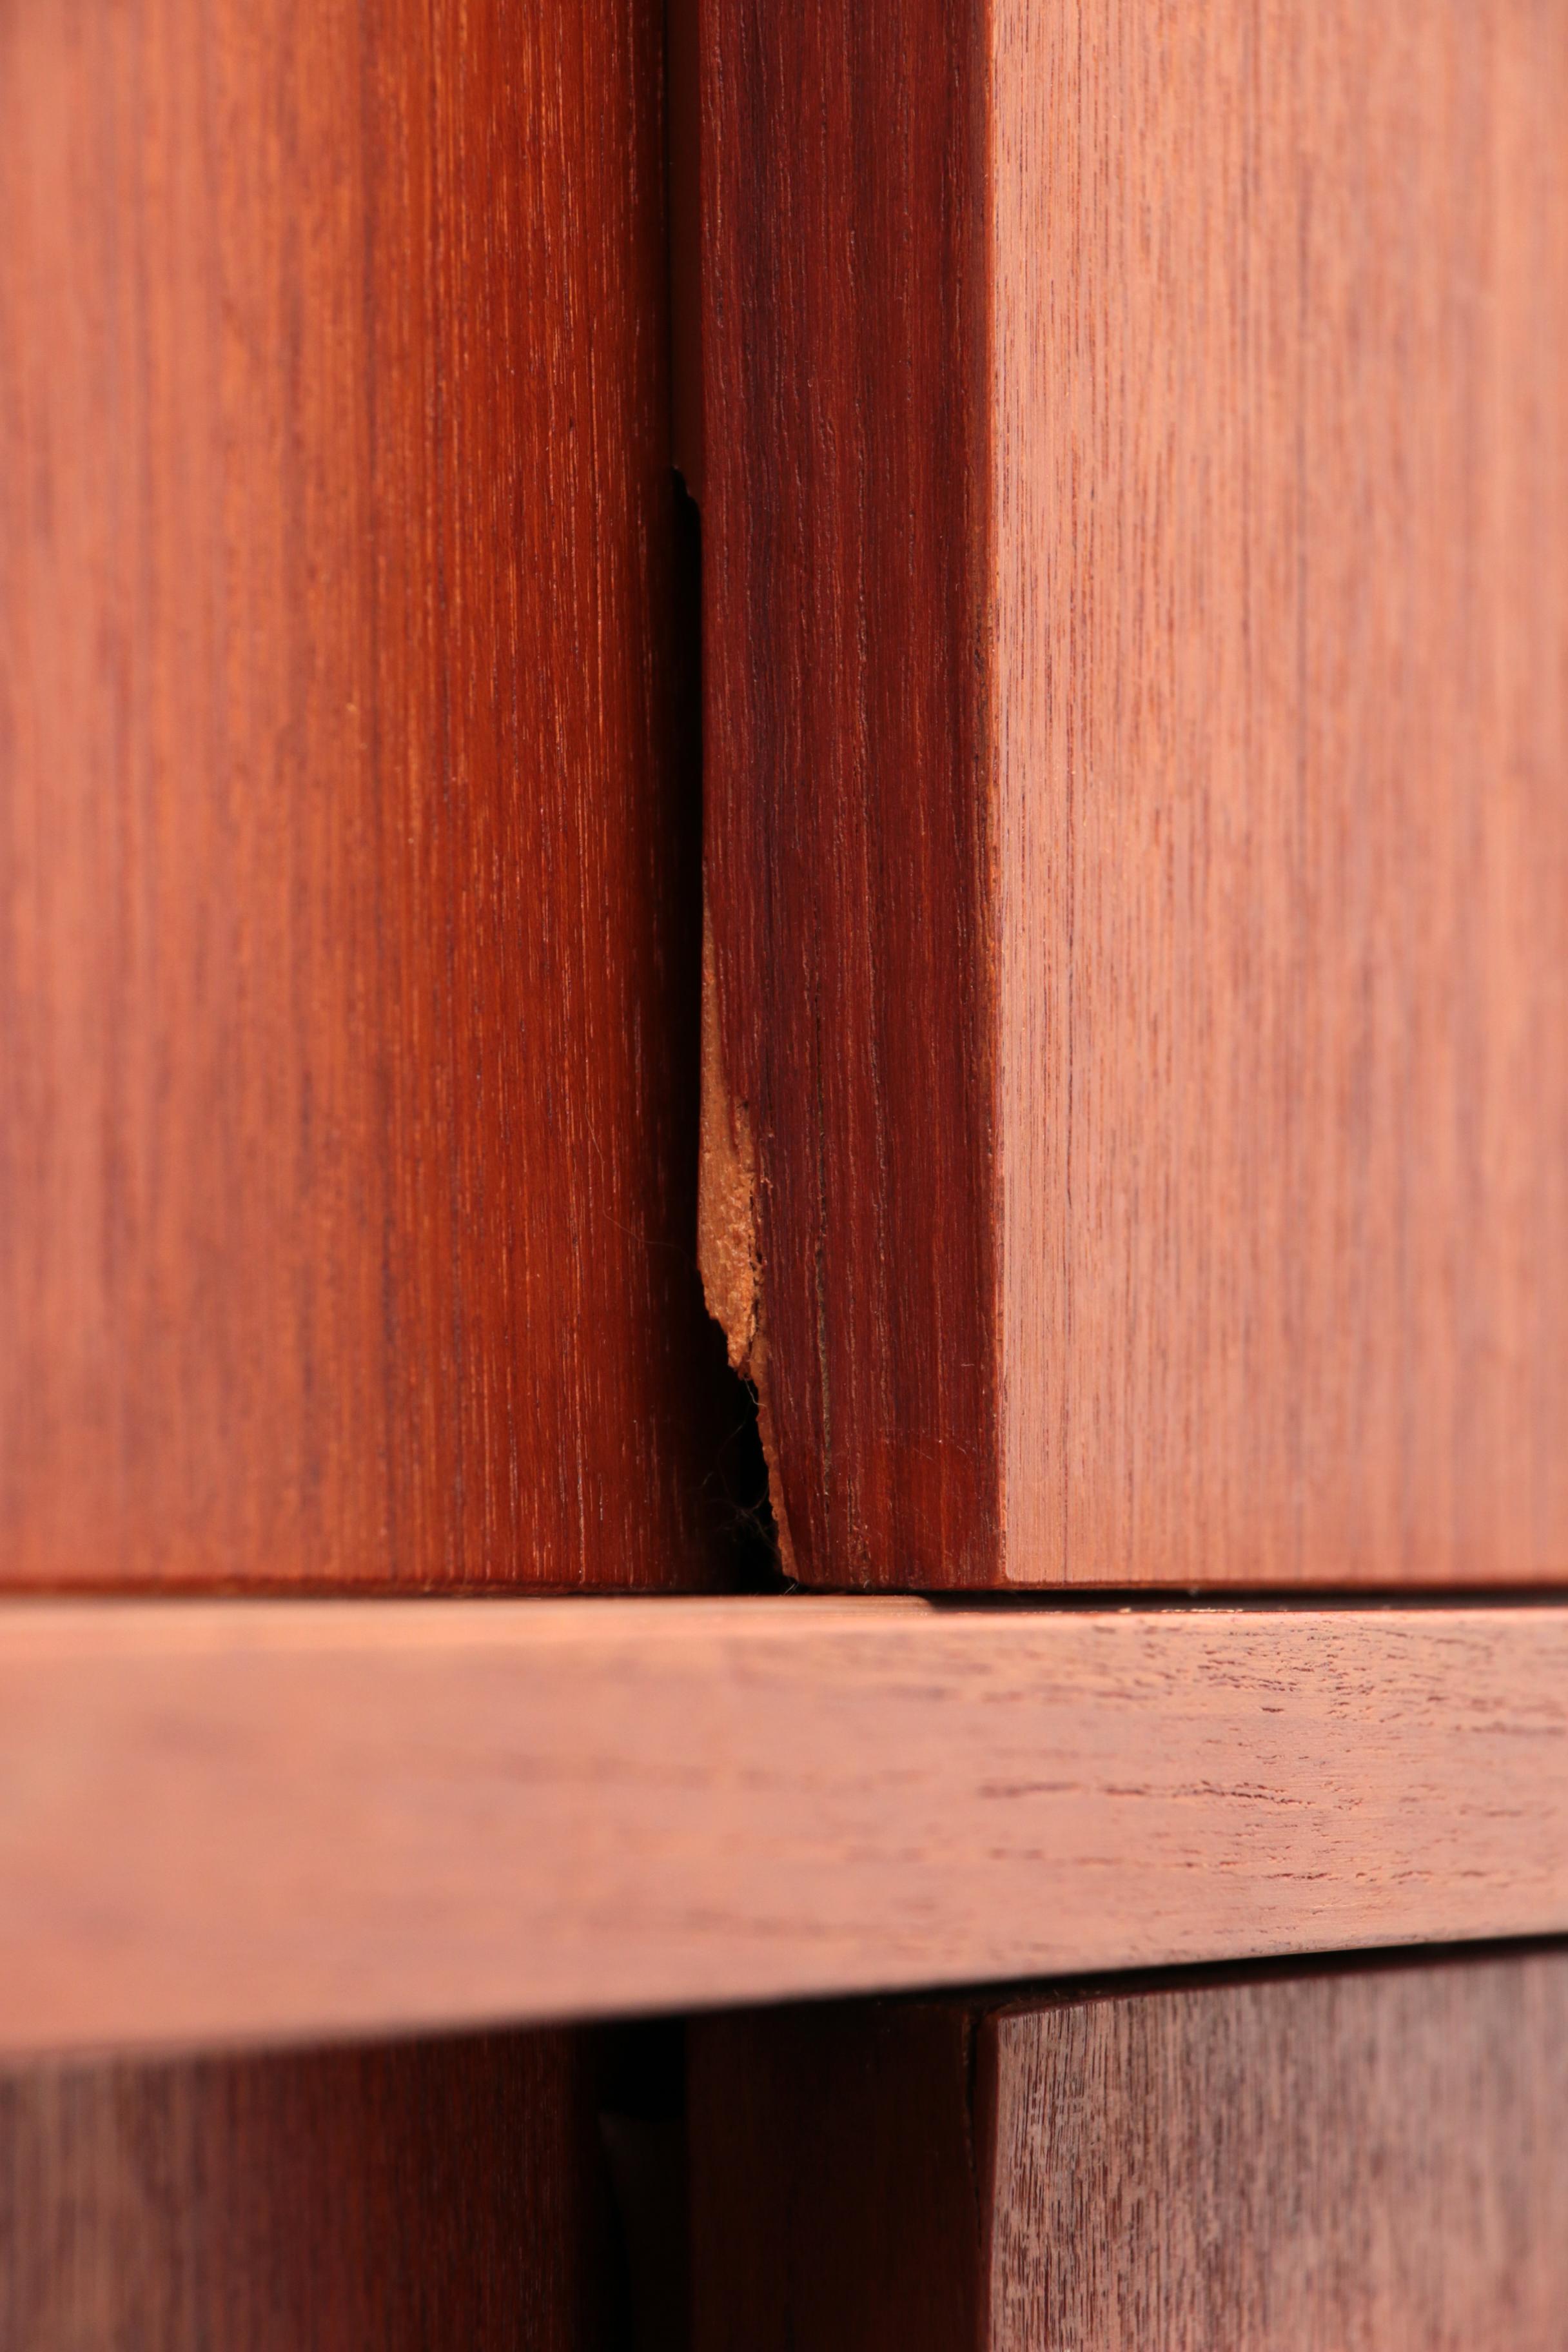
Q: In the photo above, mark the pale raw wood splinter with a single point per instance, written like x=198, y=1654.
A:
x=1135, y=529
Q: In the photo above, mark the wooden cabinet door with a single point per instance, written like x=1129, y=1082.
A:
x=1362, y=2160
x=1136, y=538
x=403, y=2197
x=348, y=803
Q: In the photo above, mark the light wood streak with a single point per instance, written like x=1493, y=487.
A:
x=226, y=1819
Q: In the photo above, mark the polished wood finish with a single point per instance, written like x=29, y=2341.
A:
x=834, y=2190
x=349, y=936
x=1354, y=2161
x=1136, y=542
x=1326, y=2164
x=402, y=2198
x=225, y=1820
x=848, y=1241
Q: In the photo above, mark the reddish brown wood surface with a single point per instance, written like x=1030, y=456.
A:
x=833, y=2192
x=1136, y=542
x=402, y=2198
x=348, y=940
x=227, y=1820
x=1370, y=2160
x=1340, y=2163
x=848, y=1242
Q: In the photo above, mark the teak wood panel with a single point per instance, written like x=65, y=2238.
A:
x=833, y=2181
x=1364, y=2160
x=223, y=1821
x=1136, y=574
x=348, y=938
x=400, y=2198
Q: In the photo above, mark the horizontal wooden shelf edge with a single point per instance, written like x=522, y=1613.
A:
x=229, y=1821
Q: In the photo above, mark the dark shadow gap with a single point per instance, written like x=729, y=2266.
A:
x=739, y=1513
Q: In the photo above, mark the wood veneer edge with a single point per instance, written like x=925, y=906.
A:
x=232, y=1821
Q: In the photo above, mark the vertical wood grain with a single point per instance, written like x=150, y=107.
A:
x=403, y=2197
x=1363, y=2159
x=849, y=1098
x=1280, y=480
x=348, y=945
x=1363, y=2162
x=834, y=2190
x=1137, y=503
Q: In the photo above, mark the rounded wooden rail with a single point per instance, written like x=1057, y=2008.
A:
x=223, y=1821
